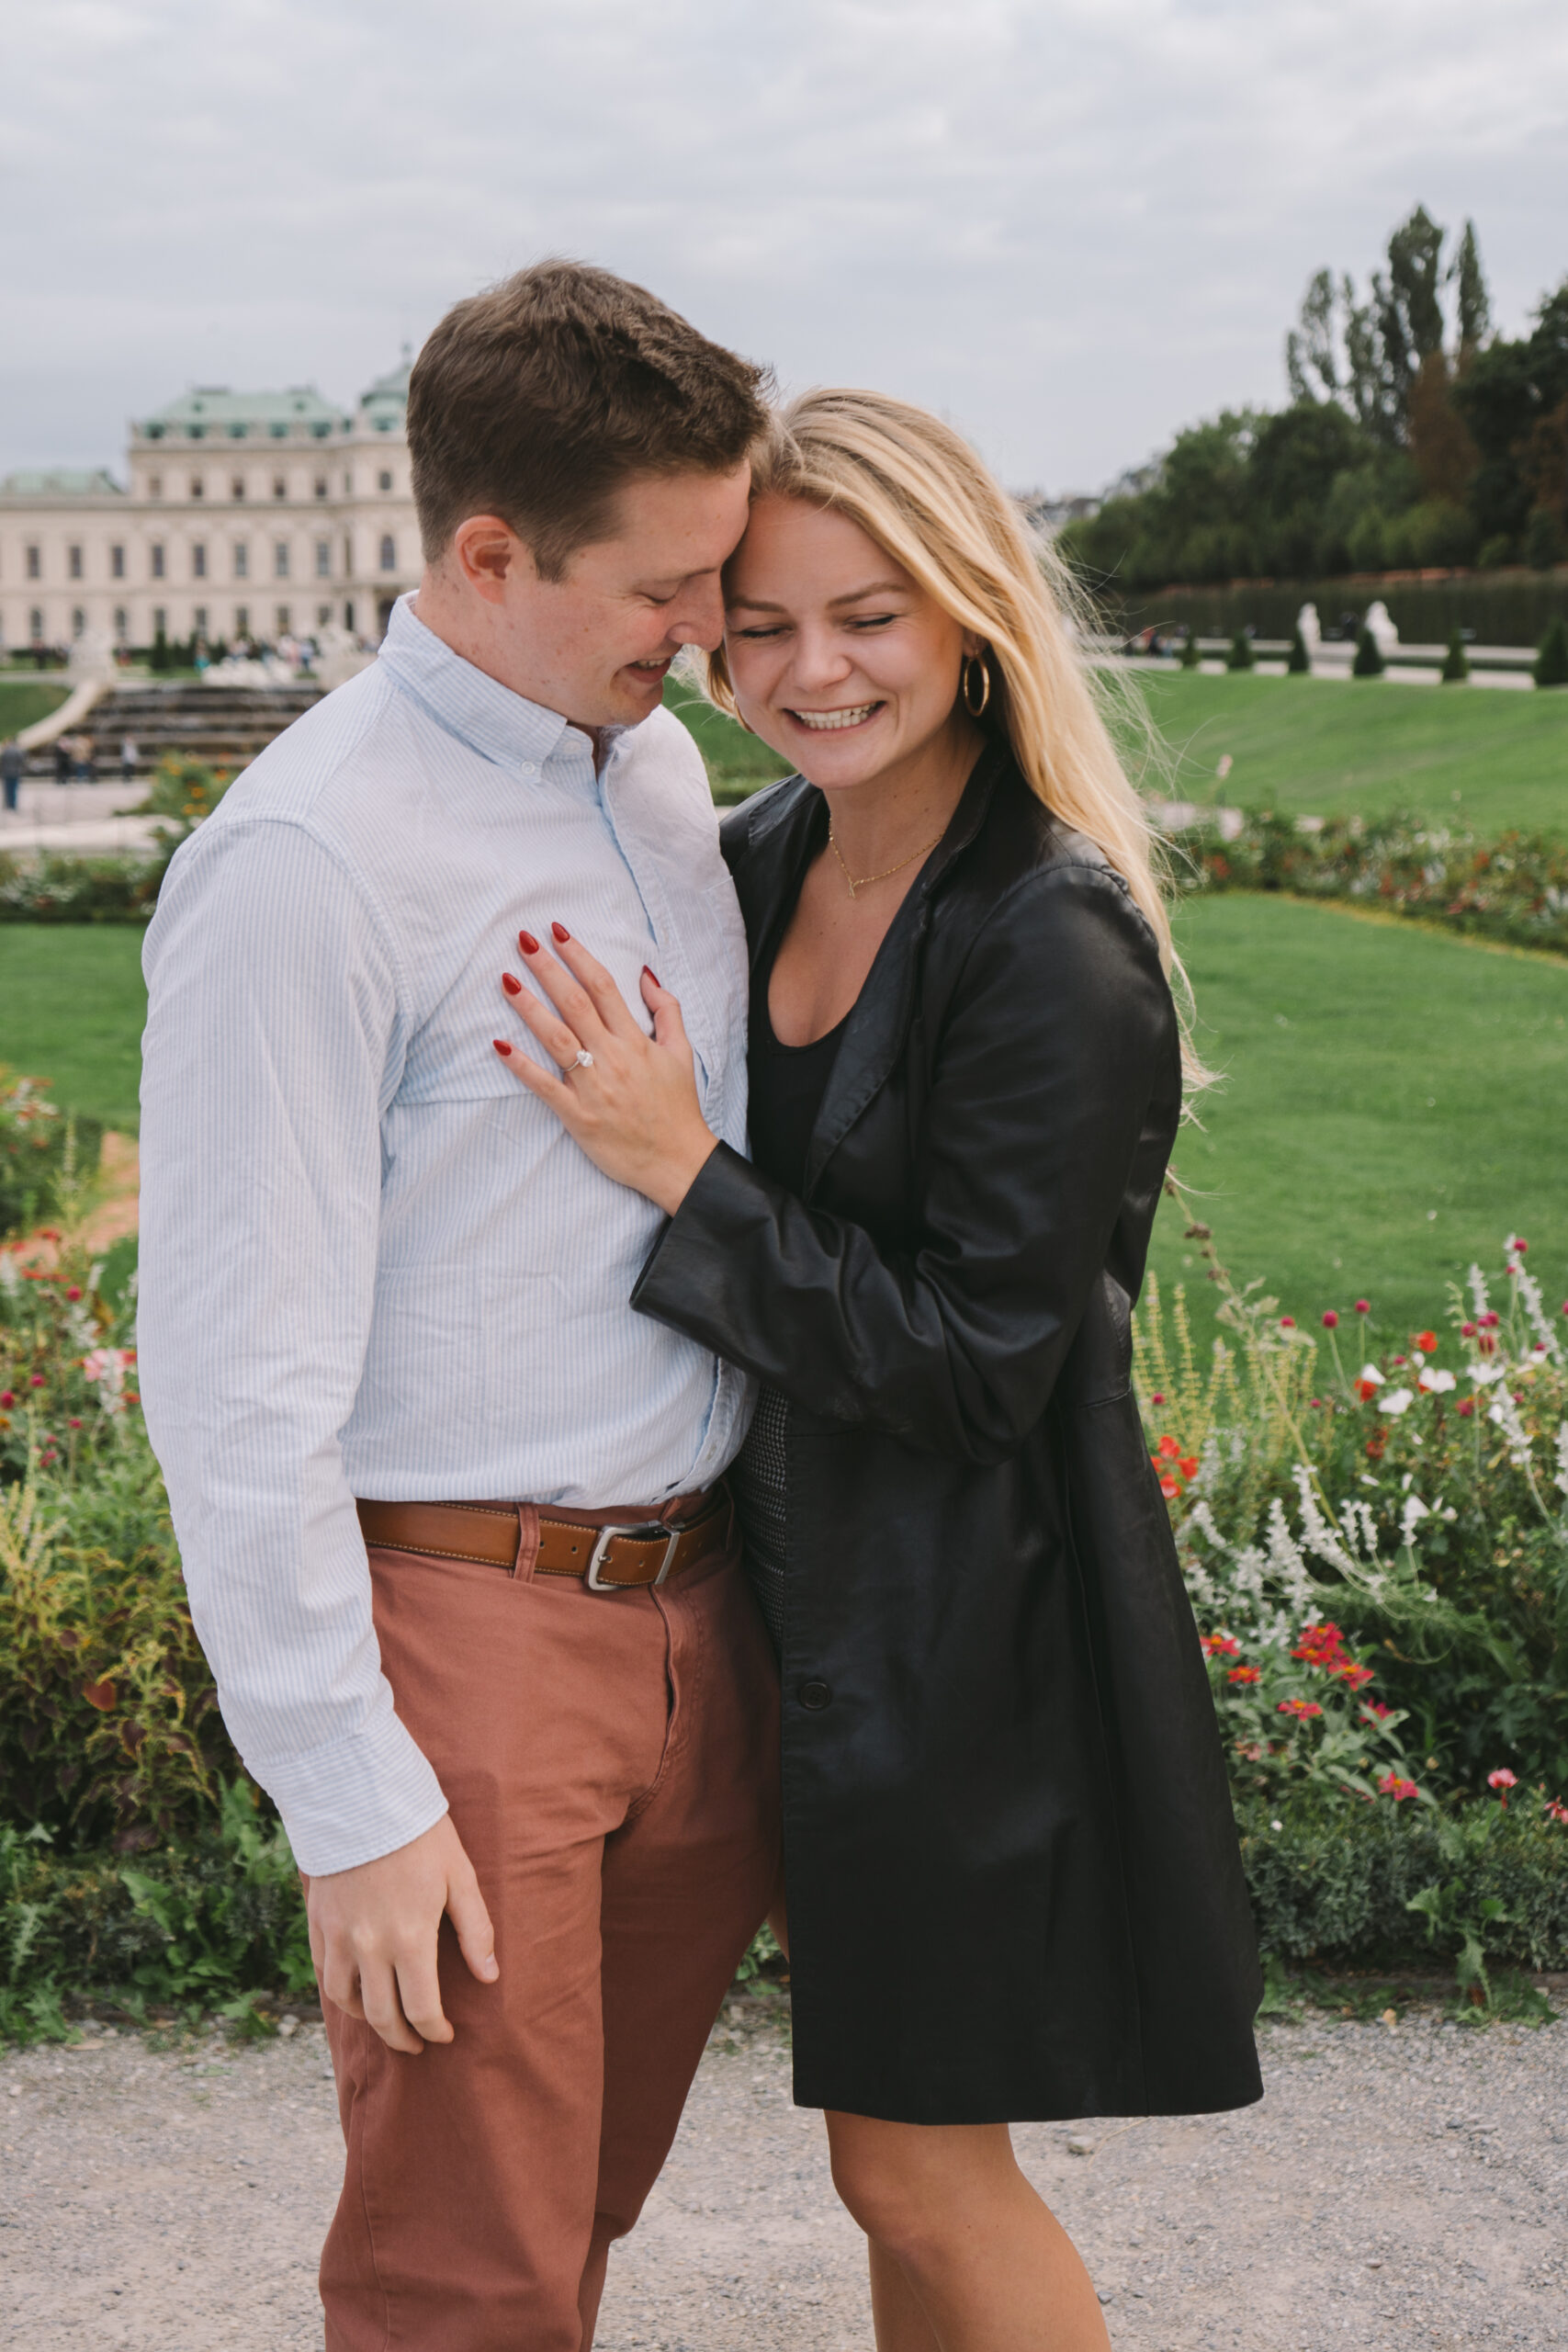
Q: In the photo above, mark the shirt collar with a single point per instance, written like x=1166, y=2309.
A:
x=499, y=725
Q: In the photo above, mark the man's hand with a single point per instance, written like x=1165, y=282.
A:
x=374, y=1929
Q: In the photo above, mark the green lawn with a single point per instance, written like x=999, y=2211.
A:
x=72, y=1009
x=24, y=701
x=1489, y=756
x=736, y=762
x=1394, y=1104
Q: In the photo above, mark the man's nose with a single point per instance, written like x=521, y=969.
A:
x=701, y=620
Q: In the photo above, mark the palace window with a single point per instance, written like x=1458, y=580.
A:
x=283, y=623
x=241, y=560
x=198, y=561
x=121, y=624
x=280, y=559
x=384, y=479
x=279, y=487
x=324, y=615
x=156, y=553
x=323, y=559
x=34, y=626
x=242, y=620
x=116, y=563
x=197, y=487
x=321, y=485
x=349, y=616
x=389, y=552
x=74, y=562
x=237, y=489
x=35, y=563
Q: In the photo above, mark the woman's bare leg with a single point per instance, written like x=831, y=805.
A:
x=987, y=2268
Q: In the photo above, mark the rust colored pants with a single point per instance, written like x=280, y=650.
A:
x=609, y=1762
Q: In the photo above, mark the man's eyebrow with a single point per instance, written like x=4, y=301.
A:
x=851, y=596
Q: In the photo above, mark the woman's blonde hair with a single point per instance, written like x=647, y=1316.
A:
x=916, y=488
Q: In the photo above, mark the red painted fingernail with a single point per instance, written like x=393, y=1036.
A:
x=649, y=975
x=513, y=988
x=528, y=943
x=561, y=930
x=501, y=1048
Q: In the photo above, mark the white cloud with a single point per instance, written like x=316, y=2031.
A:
x=1069, y=226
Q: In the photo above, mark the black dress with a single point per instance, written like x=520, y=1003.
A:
x=787, y=1083
x=1014, y=1884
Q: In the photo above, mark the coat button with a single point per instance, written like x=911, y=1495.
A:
x=815, y=1695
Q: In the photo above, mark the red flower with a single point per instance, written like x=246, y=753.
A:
x=1393, y=1786
x=1519, y=1243
x=1378, y=1707
x=7, y=1398
x=37, y=1380
x=1169, y=1448
x=1354, y=1676
x=1489, y=1321
x=1427, y=1342
x=1299, y=1708
x=1243, y=1674
x=1157, y=1399
x=1169, y=1487
x=1187, y=1465
x=1503, y=1781
x=1363, y=1306
x=1465, y=1406
x=1556, y=1810
x=1467, y=1330
x=1287, y=1322
x=1376, y=1445
x=75, y=1291
x=1365, y=1389
x=1221, y=1646
x=1331, y=1320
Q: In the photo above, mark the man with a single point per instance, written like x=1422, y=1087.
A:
x=12, y=765
x=531, y=1784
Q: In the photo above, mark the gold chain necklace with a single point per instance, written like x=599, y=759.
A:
x=866, y=880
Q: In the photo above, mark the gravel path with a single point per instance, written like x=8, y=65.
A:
x=1400, y=2186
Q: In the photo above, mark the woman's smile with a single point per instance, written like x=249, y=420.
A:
x=854, y=714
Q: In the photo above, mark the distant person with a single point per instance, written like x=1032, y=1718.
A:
x=13, y=760
x=128, y=756
x=86, y=756
x=65, y=759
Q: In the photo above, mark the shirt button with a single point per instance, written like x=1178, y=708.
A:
x=815, y=1695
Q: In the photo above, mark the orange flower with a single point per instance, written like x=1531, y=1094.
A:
x=1243, y=1674
x=1427, y=1342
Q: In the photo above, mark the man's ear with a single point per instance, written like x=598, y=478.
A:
x=485, y=552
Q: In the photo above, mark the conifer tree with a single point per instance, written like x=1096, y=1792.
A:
x=1189, y=655
x=1552, y=663
x=1369, y=661
x=1456, y=668
x=1299, y=664
x=1240, y=655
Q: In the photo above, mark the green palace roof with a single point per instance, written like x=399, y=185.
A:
x=62, y=481
x=213, y=412
x=386, y=403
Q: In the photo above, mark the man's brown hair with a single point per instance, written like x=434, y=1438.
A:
x=538, y=398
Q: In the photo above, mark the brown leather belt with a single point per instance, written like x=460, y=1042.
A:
x=609, y=1550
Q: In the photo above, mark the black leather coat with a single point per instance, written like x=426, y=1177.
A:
x=1014, y=1878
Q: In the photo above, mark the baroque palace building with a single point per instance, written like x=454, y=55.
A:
x=248, y=514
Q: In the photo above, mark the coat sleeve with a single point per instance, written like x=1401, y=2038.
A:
x=1056, y=1060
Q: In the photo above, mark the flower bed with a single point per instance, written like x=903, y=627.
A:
x=1513, y=890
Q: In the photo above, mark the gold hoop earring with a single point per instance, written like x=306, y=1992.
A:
x=976, y=661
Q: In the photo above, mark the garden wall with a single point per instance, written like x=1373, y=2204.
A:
x=1501, y=608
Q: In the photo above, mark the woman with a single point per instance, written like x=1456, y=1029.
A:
x=1014, y=1890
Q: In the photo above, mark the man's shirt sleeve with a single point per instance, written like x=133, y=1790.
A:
x=275, y=1036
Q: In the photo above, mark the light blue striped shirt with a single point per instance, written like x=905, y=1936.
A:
x=371, y=1263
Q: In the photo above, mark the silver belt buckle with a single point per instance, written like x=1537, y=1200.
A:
x=647, y=1529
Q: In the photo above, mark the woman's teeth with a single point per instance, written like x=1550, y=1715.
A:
x=823, y=719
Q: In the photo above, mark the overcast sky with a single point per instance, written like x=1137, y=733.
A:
x=1070, y=225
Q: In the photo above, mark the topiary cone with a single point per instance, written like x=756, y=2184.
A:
x=1552, y=661
x=1299, y=664
x=1456, y=668
x=1240, y=655
x=1369, y=661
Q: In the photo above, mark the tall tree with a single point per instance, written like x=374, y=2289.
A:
x=1473, y=303
x=1368, y=357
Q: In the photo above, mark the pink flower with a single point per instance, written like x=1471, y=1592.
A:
x=1517, y=1242
x=1299, y=1708
x=1393, y=1786
x=1363, y=1306
x=37, y=1380
x=1221, y=1646
x=1159, y=1400
x=1556, y=1810
x=1376, y=1707
x=1331, y=1320
x=1467, y=1330
x=1287, y=1322
x=1502, y=1778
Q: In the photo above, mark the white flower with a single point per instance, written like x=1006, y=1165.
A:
x=1484, y=1375
x=1370, y=1372
x=1398, y=1400
x=1415, y=1511
x=1560, y=1480
x=1433, y=1381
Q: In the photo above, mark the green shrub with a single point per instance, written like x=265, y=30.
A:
x=1369, y=661
x=45, y=1156
x=1552, y=663
x=1191, y=653
x=1455, y=663
x=1299, y=662
x=204, y=1923
x=1240, y=655
x=47, y=888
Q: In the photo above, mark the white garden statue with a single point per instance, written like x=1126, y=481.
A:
x=339, y=656
x=92, y=659
x=1384, y=635
x=1310, y=627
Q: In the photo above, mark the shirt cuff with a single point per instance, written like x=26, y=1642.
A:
x=356, y=1801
